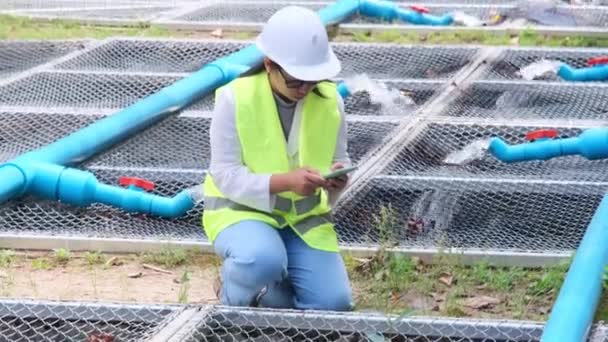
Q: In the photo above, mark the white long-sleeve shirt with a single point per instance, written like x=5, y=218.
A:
x=229, y=173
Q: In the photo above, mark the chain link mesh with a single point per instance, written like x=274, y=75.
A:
x=16, y=56
x=81, y=90
x=230, y=325
x=508, y=64
x=117, y=13
x=507, y=101
x=247, y=12
x=28, y=321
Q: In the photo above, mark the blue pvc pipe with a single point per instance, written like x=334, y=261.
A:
x=591, y=144
x=595, y=73
x=573, y=311
x=390, y=11
x=81, y=188
x=343, y=90
x=12, y=182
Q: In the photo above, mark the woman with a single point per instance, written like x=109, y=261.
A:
x=267, y=207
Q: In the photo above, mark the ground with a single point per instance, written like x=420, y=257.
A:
x=383, y=283
x=395, y=284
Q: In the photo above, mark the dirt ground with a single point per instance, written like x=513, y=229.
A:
x=125, y=280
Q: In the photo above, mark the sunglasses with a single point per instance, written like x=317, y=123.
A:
x=293, y=83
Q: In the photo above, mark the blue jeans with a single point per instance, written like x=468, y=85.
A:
x=296, y=276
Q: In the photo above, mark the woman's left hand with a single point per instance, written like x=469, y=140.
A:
x=339, y=183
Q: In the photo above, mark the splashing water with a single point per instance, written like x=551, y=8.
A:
x=392, y=101
x=539, y=69
x=463, y=19
x=473, y=151
x=433, y=210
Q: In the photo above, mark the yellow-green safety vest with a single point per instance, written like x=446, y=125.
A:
x=264, y=151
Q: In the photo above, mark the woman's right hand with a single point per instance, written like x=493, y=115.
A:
x=302, y=181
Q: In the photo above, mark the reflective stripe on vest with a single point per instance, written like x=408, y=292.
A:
x=311, y=222
x=216, y=203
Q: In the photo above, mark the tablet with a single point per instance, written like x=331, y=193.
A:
x=340, y=172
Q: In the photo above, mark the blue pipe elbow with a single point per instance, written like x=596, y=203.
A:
x=81, y=188
x=424, y=19
x=591, y=144
x=343, y=90
x=596, y=73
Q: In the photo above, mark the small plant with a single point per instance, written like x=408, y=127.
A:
x=167, y=257
x=386, y=223
x=62, y=255
x=94, y=258
x=41, y=264
x=7, y=257
x=184, y=280
x=549, y=281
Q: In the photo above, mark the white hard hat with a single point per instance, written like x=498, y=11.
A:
x=295, y=38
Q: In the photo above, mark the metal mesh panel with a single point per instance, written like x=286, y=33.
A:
x=78, y=90
x=239, y=12
x=509, y=62
x=16, y=56
x=151, y=56
x=231, y=325
x=28, y=215
x=49, y=4
x=23, y=132
x=128, y=13
x=469, y=213
x=531, y=206
x=382, y=61
x=27, y=321
x=391, y=61
x=530, y=100
x=425, y=155
x=582, y=15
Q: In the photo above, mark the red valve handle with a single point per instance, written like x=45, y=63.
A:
x=541, y=133
x=598, y=60
x=138, y=182
x=419, y=9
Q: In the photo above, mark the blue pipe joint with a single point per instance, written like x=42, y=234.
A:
x=229, y=70
x=390, y=11
x=343, y=90
x=595, y=73
x=591, y=144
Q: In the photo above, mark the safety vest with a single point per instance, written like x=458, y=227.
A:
x=264, y=151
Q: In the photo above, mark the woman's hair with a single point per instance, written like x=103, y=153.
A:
x=257, y=69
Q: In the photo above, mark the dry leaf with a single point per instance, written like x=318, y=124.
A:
x=135, y=275
x=157, y=269
x=446, y=279
x=480, y=302
x=217, y=33
x=114, y=261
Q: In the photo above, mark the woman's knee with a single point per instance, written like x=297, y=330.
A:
x=336, y=298
x=253, y=253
